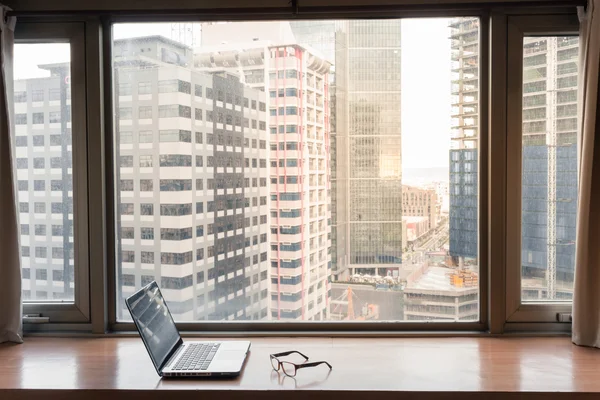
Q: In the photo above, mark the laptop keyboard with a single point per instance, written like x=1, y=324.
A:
x=197, y=357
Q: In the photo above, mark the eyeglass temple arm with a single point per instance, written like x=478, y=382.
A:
x=287, y=353
x=313, y=364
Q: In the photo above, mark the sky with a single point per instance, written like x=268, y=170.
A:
x=425, y=82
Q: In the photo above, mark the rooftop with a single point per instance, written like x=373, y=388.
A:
x=435, y=278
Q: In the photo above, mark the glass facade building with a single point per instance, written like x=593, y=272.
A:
x=549, y=158
x=549, y=172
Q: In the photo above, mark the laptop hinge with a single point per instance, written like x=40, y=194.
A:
x=171, y=356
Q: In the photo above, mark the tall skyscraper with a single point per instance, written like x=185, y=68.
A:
x=192, y=184
x=369, y=73
x=549, y=158
x=329, y=38
x=297, y=84
x=366, y=141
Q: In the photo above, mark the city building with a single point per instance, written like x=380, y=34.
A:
x=192, y=188
x=297, y=83
x=43, y=151
x=366, y=141
x=549, y=157
x=368, y=144
x=441, y=294
x=549, y=194
x=463, y=161
x=419, y=202
x=329, y=38
x=413, y=228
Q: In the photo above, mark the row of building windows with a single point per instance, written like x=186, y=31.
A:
x=147, y=257
x=289, y=110
x=41, y=230
x=284, y=129
x=42, y=274
x=54, y=117
x=38, y=95
x=40, y=207
x=42, y=252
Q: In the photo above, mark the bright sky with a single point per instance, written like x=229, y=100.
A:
x=425, y=82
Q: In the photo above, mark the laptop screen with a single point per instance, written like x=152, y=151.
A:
x=154, y=322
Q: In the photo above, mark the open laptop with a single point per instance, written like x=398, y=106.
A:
x=170, y=355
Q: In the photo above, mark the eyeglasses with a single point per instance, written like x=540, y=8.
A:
x=290, y=368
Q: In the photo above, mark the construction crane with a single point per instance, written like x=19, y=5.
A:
x=346, y=300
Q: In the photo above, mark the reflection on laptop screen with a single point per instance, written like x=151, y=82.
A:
x=154, y=322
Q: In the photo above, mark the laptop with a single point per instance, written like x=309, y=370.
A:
x=170, y=355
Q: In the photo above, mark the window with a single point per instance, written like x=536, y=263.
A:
x=144, y=88
x=175, y=160
x=20, y=119
x=145, y=137
x=125, y=113
x=541, y=241
x=145, y=112
x=175, y=135
x=20, y=97
x=38, y=118
x=126, y=161
x=146, y=185
x=145, y=161
x=549, y=181
x=147, y=209
x=125, y=137
x=124, y=89
x=41, y=66
x=394, y=210
x=54, y=117
x=54, y=94
x=37, y=95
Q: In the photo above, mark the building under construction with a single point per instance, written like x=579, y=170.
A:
x=438, y=293
x=549, y=154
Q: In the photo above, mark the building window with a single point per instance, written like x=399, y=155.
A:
x=37, y=95
x=37, y=118
x=145, y=112
x=144, y=88
x=124, y=89
x=147, y=209
x=145, y=161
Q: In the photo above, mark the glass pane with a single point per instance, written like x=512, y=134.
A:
x=43, y=154
x=312, y=172
x=549, y=175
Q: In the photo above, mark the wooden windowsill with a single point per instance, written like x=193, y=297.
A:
x=113, y=368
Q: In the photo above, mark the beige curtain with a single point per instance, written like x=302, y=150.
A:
x=586, y=298
x=10, y=267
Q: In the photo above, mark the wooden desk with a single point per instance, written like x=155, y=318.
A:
x=443, y=368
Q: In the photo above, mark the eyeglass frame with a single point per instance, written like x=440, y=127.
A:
x=296, y=366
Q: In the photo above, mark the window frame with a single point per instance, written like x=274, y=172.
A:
x=79, y=311
x=517, y=28
x=97, y=57
x=361, y=328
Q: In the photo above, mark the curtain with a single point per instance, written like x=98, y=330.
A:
x=10, y=268
x=586, y=296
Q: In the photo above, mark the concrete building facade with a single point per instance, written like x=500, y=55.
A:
x=419, y=202
x=43, y=148
x=192, y=188
x=296, y=82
